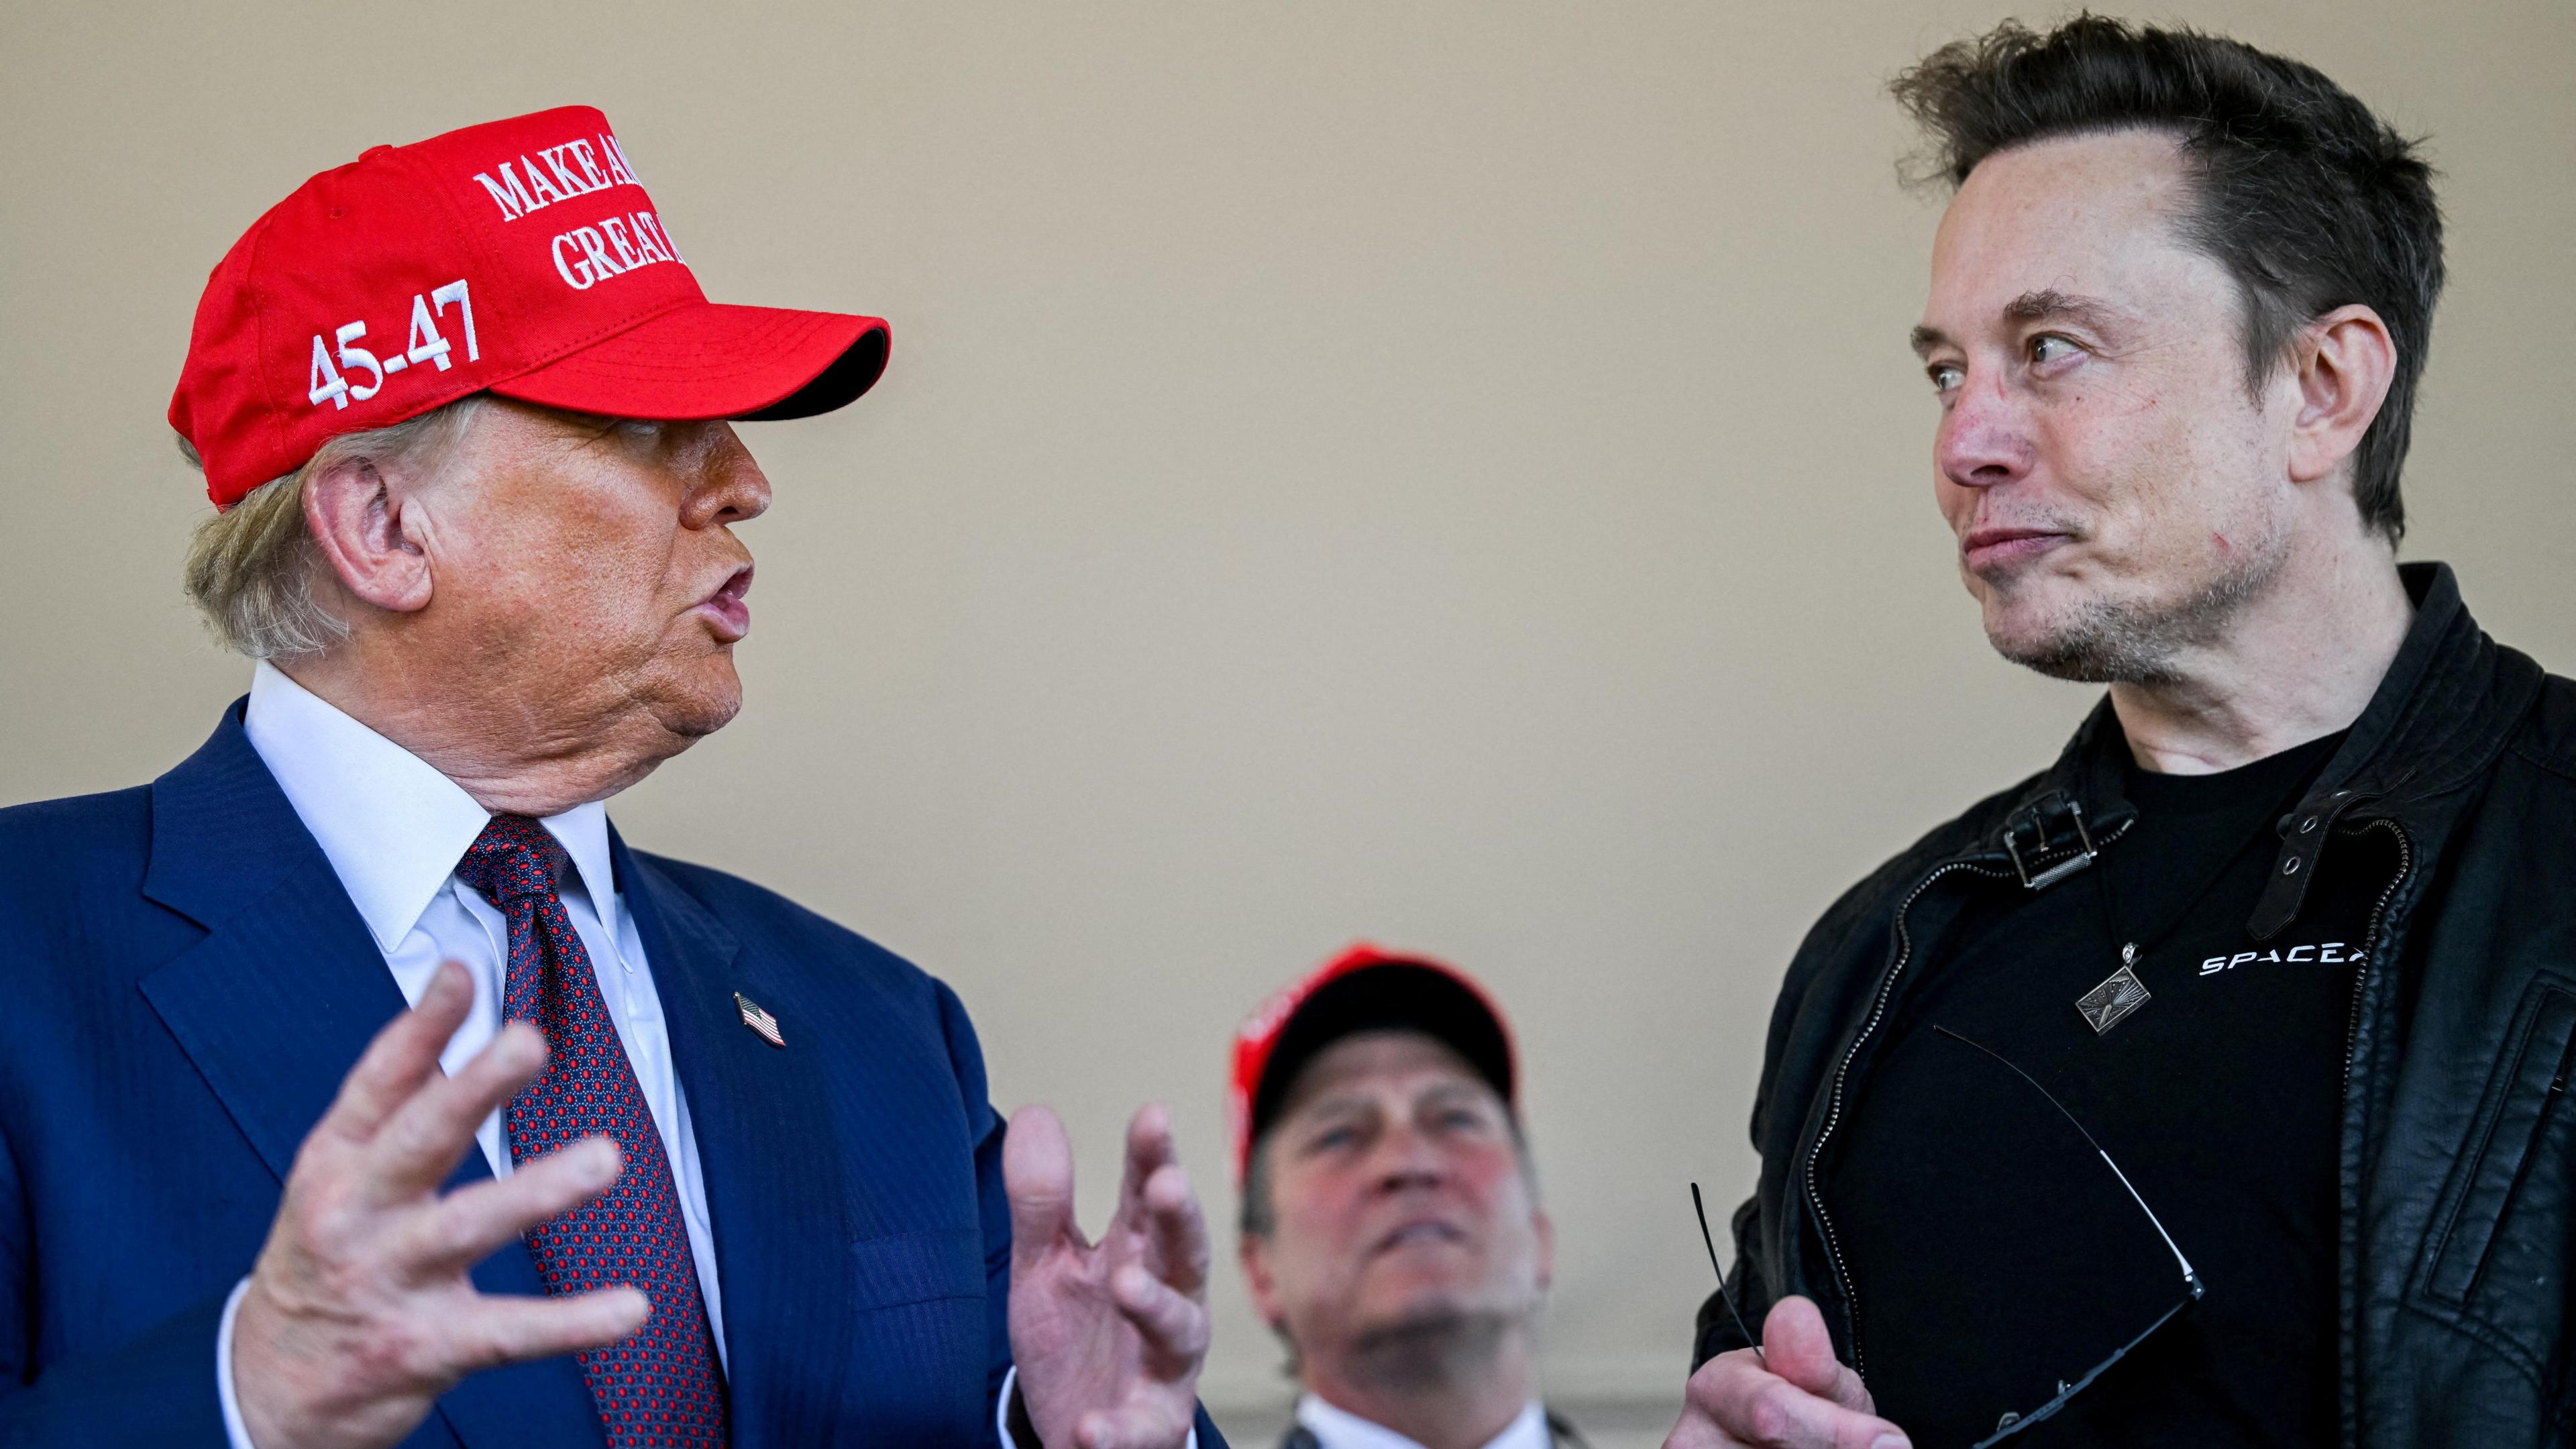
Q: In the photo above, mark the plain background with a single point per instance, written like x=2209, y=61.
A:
x=1449, y=474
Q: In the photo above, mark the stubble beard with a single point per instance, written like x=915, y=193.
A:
x=2119, y=641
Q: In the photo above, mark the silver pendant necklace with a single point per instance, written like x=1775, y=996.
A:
x=2120, y=994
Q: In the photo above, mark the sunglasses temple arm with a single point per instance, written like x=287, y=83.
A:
x=2188, y=1275
x=1708, y=1239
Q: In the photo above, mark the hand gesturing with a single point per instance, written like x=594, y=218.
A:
x=1108, y=1336
x=360, y=1312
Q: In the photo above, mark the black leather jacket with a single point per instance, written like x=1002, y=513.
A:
x=2458, y=1250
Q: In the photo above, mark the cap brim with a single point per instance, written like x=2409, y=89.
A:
x=715, y=360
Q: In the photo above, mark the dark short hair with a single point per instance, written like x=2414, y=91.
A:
x=2308, y=199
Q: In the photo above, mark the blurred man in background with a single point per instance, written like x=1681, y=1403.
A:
x=1391, y=1231
x=2210, y=1087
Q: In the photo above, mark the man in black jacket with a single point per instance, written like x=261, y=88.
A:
x=2210, y=1087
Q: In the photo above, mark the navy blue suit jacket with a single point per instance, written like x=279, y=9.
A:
x=186, y=983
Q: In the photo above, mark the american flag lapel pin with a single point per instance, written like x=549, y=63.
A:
x=762, y=1024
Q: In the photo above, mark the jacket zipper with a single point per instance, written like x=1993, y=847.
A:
x=2352, y=1042
x=1834, y=1113
x=2378, y=917
x=1878, y=1009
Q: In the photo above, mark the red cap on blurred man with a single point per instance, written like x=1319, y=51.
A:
x=1363, y=989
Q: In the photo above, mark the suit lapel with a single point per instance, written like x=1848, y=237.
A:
x=779, y=1200
x=277, y=1003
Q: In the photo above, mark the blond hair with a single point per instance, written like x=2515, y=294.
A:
x=254, y=569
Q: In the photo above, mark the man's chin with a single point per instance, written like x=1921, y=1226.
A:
x=1399, y=1305
x=2041, y=651
x=1426, y=1340
x=2095, y=644
x=1411, y=1306
x=698, y=706
x=696, y=724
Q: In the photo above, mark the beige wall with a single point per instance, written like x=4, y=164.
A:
x=1445, y=473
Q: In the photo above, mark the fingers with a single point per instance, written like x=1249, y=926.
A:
x=1798, y=1348
x=1175, y=1325
x=1149, y=1146
x=1155, y=1199
x=457, y=1231
x=400, y=1058
x=426, y=1136
x=1037, y=1177
x=1177, y=1229
x=495, y=1331
x=1742, y=1402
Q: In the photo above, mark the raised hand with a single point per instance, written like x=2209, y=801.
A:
x=1108, y=1336
x=1803, y=1398
x=359, y=1313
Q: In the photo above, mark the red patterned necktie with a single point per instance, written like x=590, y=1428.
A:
x=657, y=1388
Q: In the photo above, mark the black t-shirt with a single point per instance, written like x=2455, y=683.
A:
x=1993, y=1254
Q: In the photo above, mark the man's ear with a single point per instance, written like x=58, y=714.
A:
x=1546, y=1228
x=359, y=520
x=1253, y=1251
x=2344, y=364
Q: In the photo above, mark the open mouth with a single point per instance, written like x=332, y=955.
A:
x=727, y=611
x=1418, y=1232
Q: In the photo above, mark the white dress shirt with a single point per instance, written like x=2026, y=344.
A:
x=1341, y=1429
x=393, y=829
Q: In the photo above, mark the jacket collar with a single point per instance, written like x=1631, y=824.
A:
x=2447, y=705
x=391, y=825
x=2446, y=708
x=2059, y=822
x=223, y=834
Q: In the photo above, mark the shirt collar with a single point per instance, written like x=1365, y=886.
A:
x=1341, y=1429
x=391, y=825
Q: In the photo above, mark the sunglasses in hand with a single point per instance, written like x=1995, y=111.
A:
x=2013, y=1422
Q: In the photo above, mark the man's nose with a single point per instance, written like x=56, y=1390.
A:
x=1985, y=436
x=1407, y=1158
x=729, y=488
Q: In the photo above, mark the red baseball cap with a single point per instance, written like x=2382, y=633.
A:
x=522, y=258
x=1363, y=989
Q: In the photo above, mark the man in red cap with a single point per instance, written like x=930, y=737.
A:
x=361, y=1085
x=1391, y=1231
